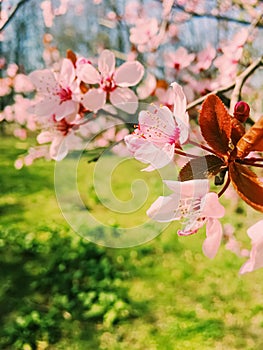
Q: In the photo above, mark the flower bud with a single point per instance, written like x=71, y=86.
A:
x=241, y=111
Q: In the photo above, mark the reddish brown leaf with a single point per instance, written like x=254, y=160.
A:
x=215, y=124
x=201, y=168
x=252, y=140
x=247, y=184
x=238, y=130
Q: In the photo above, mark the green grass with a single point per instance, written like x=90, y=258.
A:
x=176, y=298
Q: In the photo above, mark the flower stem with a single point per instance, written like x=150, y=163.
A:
x=202, y=146
x=225, y=186
x=251, y=162
x=182, y=153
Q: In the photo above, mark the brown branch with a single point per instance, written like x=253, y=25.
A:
x=201, y=99
x=12, y=14
x=236, y=85
x=240, y=81
x=215, y=17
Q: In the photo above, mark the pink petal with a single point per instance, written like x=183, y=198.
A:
x=211, y=208
x=147, y=87
x=44, y=80
x=179, y=100
x=156, y=157
x=181, y=116
x=148, y=153
x=256, y=255
x=46, y=107
x=65, y=109
x=58, y=149
x=94, y=99
x=124, y=99
x=162, y=209
x=214, y=235
x=189, y=189
x=88, y=74
x=44, y=137
x=160, y=119
x=129, y=74
x=256, y=258
x=67, y=73
x=106, y=63
x=255, y=232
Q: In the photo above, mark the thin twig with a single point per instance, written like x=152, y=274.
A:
x=240, y=80
x=225, y=186
x=12, y=14
x=215, y=17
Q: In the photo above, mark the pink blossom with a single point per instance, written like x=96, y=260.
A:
x=144, y=31
x=179, y=59
x=12, y=70
x=204, y=59
x=5, y=86
x=59, y=92
x=232, y=244
x=48, y=14
x=22, y=84
x=113, y=83
x=165, y=97
x=159, y=131
x=62, y=137
x=192, y=202
x=20, y=133
x=147, y=87
x=255, y=261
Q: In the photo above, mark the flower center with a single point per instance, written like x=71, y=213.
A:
x=175, y=137
x=64, y=127
x=108, y=84
x=176, y=66
x=65, y=94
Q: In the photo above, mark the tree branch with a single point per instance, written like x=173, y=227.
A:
x=216, y=17
x=236, y=85
x=12, y=14
x=241, y=79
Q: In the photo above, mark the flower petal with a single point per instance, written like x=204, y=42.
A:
x=163, y=209
x=106, y=63
x=94, y=99
x=189, y=189
x=129, y=74
x=210, y=206
x=87, y=73
x=44, y=80
x=214, y=234
x=65, y=109
x=58, y=149
x=124, y=99
x=255, y=232
x=180, y=114
x=158, y=123
x=44, y=137
x=148, y=153
x=67, y=73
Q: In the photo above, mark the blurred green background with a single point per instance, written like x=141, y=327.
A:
x=58, y=291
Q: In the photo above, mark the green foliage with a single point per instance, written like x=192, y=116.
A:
x=51, y=283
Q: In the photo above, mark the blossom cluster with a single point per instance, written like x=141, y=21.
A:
x=78, y=97
x=161, y=134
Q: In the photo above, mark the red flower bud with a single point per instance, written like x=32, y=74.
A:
x=241, y=111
